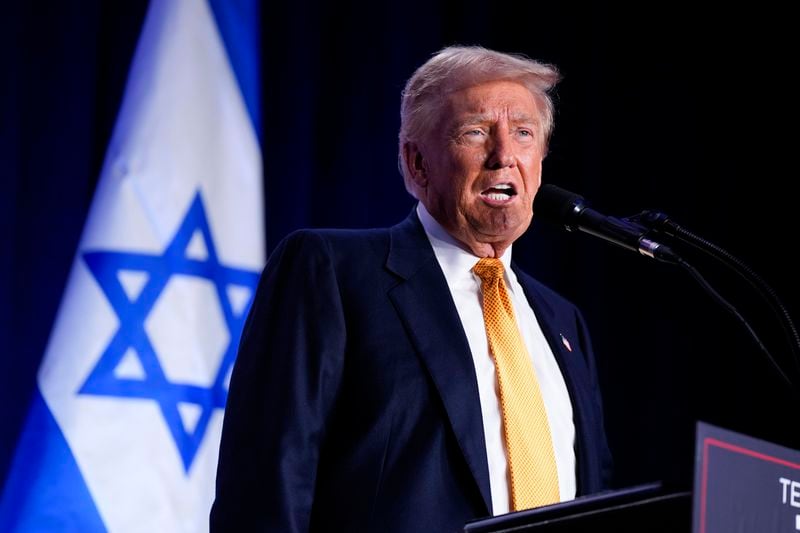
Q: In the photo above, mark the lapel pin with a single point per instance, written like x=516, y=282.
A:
x=565, y=342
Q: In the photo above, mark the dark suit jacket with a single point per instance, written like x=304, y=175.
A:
x=354, y=404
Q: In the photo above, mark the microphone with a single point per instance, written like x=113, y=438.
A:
x=569, y=210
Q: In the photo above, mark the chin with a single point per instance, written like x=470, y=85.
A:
x=507, y=225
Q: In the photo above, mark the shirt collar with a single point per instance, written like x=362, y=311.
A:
x=456, y=261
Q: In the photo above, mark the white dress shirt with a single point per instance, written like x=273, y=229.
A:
x=456, y=262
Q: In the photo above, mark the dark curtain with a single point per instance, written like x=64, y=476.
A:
x=663, y=106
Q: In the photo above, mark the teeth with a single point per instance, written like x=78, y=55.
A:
x=500, y=192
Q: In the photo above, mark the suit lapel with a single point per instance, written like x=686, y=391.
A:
x=544, y=313
x=570, y=361
x=424, y=304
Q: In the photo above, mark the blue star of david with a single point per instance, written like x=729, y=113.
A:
x=132, y=313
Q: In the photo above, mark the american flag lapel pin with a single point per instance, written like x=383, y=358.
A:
x=565, y=342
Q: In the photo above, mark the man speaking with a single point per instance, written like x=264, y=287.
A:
x=411, y=379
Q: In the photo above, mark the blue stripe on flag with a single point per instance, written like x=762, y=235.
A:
x=45, y=490
x=238, y=25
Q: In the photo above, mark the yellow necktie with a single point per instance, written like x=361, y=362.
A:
x=531, y=461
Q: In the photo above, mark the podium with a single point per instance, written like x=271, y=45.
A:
x=636, y=509
x=741, y=484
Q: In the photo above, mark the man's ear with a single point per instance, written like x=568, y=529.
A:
x=415, y=164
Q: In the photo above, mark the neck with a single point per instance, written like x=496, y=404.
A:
x=485, y=249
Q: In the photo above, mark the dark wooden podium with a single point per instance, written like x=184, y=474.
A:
x=636, y=509
x=741, y=484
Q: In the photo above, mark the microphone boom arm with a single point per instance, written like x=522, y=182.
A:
x=662, y=224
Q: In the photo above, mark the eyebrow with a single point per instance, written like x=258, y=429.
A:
x=478, y=118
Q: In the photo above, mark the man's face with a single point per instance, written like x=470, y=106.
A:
x=481, y=165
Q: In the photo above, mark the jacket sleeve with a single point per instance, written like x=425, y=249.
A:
x=283, y=387
x=605, y=462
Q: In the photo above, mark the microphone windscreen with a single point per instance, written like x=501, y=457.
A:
x=555, y=204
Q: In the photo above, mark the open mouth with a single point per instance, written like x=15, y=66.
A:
x=502, y=192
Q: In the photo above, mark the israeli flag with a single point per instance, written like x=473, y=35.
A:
x=124, y=431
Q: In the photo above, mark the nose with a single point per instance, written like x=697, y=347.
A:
x=501, y=154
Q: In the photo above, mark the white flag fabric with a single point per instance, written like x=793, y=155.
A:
x=124, y=431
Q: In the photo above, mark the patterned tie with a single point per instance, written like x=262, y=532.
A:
x=531, y=460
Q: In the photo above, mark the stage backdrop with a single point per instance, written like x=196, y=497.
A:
x=663, y=107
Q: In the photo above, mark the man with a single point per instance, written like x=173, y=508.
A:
x=372, y=390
